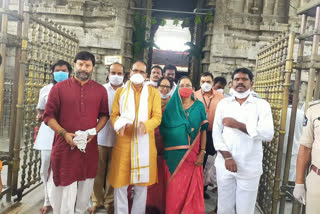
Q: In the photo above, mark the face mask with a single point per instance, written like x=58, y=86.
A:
x=185, y=92
x=153, y=83
x=206, y=87
x=220, y=90
x=115, y=79
x=59, y=76
x=164, y=96
x=241, y=95
x=137, y=79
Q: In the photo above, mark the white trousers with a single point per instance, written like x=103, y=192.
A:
x=236, y=195
x=139, y=200
x=70, y=199
x=45, y=163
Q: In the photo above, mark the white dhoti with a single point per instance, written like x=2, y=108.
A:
x=45, y=163
x=139, y=200
x=70, y=199
x=236, y=195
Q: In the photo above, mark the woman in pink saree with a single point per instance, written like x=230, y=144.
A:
x=183, y=129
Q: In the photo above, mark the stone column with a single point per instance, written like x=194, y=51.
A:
x=268, y=7
x=283, y=11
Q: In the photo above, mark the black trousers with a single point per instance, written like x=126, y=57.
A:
x=210, y=150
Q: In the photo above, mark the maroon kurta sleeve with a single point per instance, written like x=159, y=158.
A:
x=104, y=108
x=52, y=106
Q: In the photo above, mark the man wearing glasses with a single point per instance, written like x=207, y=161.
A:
x=136, y=112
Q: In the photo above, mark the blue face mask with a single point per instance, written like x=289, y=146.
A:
x=59, y=76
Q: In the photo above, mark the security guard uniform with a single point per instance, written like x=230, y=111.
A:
x=311, y=139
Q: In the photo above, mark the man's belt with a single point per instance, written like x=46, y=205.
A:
x=315, y=169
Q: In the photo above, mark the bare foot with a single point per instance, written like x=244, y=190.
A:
x=45, y=209
x=92, y=209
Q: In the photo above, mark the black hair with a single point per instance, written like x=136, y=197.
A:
x=85, y=55
x=165, y=78
x=222, y=80
x=207, y=74
x=126, y=76
x=61, y=63
x=244, y=71
x=157, y=66
x=184, y=77
x=170, y=67
x=117, y=63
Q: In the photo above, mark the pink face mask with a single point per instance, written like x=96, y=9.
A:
x=185, y=92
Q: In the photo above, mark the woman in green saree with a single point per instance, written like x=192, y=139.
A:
x=183, y=129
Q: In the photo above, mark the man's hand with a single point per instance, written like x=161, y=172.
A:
x=300, y=193
x=142, y=128
x=230, y=122
x=200, y=158
x=69, y=138
x=121, y=131
x=90, y=137
x=231, y=165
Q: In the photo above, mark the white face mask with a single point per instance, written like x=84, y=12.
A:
x=137, y=79
x=206, y=87
x=115, y=79
x=220, y=90
x=240, y=95
x=164, y=96
x=153, y=83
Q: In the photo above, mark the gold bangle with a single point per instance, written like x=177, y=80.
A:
x=204, y=151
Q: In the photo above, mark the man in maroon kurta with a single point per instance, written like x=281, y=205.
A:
x=75, y=104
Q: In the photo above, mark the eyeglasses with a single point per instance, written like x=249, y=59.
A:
x=165, y=86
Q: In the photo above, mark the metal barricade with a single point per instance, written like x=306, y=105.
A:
x=41, y=43
x=273, y=72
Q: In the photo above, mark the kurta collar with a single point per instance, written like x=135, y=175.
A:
x=139, y=91
x=250, y=99
x=110, y=87
x=73, y=79
x=212, y=95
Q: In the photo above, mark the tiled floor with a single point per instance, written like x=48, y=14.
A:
x=32, y=202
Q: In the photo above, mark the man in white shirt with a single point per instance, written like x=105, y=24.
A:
x=170, y=71
x=242, y=121
x=102, y=190
x=155, y=75
x=61, y=70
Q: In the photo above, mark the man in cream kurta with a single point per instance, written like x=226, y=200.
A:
x=136, y=112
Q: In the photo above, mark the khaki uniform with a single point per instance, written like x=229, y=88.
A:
x=311, y=138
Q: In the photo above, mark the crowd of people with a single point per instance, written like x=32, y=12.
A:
x=140, y=146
